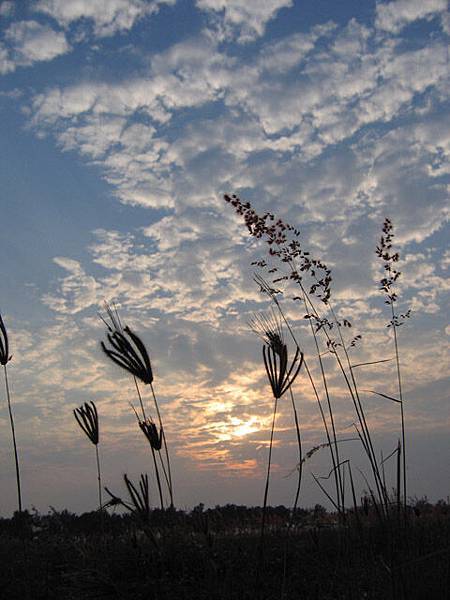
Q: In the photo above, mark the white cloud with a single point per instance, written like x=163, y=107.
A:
x=6, y=8
x=393, y=16
x=249, y=19
x=78, y=290
x=108, y=16
x=29, y=42
x=294, y=99
x=273, y=116
x=6, y=64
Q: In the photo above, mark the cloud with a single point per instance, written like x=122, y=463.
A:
x=108, y=16
x=393, y=16
x=6, y=64
x=297, y=120
x=78, y=290
x=333, y=129
x=6, y=8
x=247, y=19
x=28, y=42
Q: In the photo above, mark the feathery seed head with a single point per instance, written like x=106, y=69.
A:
x=275, y=353
x=112, y=314
x=269, y=329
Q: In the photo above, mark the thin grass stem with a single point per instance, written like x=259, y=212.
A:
x=166, y=450
x=365, y=432
x=314, y=387
x=144, y=416
x=338, y=476
x=13, y=432
x=158, y=480
x=402, y=415
x=99, y=478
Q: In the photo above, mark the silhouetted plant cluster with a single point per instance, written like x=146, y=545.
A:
x=175, y=550
x=210, y=554
x=284, y=244
x=127, y=350
x=288, y=263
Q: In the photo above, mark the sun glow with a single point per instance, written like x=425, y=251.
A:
x=241, y=428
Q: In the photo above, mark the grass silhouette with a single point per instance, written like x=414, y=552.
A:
x=381, y=546
x=4, y=360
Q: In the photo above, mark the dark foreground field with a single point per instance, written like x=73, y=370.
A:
x=213, y=554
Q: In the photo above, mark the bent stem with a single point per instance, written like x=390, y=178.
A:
x=331, y=446
x=16, y=457
x=340, y=493
x=166, y=451
x=365, y=436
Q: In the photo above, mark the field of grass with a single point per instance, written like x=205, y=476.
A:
x=382, y=547
x=213, y=554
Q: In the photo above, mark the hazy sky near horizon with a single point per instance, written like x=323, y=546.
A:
x=123, y=123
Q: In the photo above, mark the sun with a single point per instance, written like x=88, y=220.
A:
x=241, y=428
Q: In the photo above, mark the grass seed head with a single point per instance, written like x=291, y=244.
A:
x=275, y=353
x=151, y=433
x=87, y=418
x=129, y=352
x=269, y=329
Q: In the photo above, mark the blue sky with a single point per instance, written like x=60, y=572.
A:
x=123, y=124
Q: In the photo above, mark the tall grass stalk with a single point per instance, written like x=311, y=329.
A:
x=340, y=493
x=281, y=376
x=13, y=433
x=4, y=360
x=289, y=252
x=387, y=285
x=87, y=418
x=352, y=387
x=166, y=450
x=143, y=424
x=127, y=350
x=402, y=414
x=265, y=287
x=269, y=464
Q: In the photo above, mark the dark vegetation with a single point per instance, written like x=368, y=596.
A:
x=381, y=546
x=212, y=554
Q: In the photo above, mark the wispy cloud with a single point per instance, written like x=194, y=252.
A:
x=243, y=20
x=27, y=42
x=333, y=128
x=107, y=16
x=393, y=16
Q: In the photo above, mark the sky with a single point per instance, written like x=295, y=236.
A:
x=124, y=122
